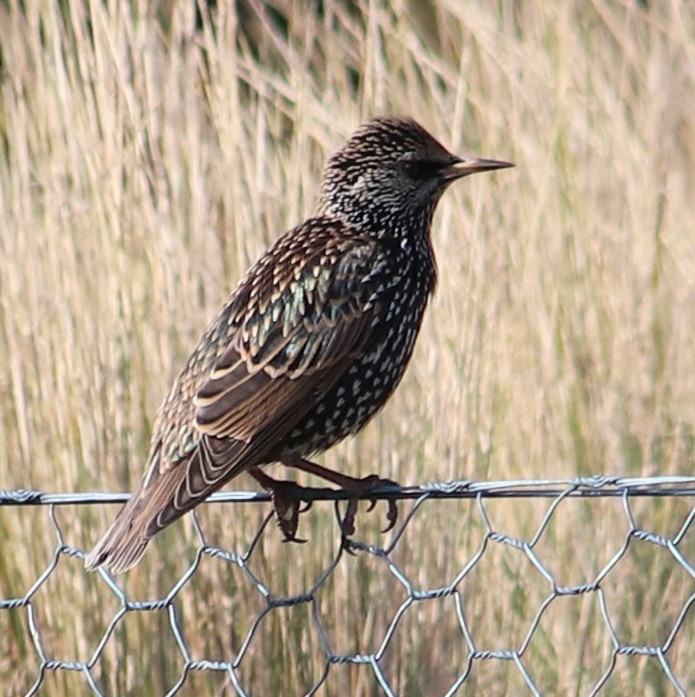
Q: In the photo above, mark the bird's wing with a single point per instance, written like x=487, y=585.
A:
x=301, y=323
x=290, y=331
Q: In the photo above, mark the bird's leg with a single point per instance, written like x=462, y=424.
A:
x=286, y=496
x=353, y=485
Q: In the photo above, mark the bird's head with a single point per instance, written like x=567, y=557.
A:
x=392, y=171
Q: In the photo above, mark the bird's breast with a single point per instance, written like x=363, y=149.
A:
x=370, y=380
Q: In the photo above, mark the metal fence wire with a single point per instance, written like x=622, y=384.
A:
x=478, y=606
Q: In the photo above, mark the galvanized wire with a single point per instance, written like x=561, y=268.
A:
x=558, y=491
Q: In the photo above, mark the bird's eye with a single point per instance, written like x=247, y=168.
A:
x=419, y=169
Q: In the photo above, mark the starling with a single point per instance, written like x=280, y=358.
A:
x=309, y=346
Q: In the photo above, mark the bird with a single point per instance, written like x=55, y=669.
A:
x=309, y=346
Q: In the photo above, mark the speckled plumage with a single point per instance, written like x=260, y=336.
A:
x=314, y=339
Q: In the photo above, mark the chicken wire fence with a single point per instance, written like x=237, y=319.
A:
x=654, y=542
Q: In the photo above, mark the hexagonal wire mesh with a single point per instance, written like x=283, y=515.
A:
x=630, y=604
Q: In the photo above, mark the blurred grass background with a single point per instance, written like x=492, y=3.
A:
x=148, y=154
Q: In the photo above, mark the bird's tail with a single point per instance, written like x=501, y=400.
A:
x=152, y=507
x=124, y=542
x=164, y=497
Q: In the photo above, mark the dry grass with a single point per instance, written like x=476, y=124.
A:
x=146, y=161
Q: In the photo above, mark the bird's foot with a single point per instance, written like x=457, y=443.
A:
x=287, y=499
x=359, y=488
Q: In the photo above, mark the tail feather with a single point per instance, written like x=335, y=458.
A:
x=123, y=543
x=152, y=507
x=162, y=498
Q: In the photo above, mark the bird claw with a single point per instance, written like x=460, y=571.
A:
x=392, y=513
x=391, y=516
x=287, y=497
x=287, y=517
x=287, y=505
x=347, y=525
x=373, y=481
